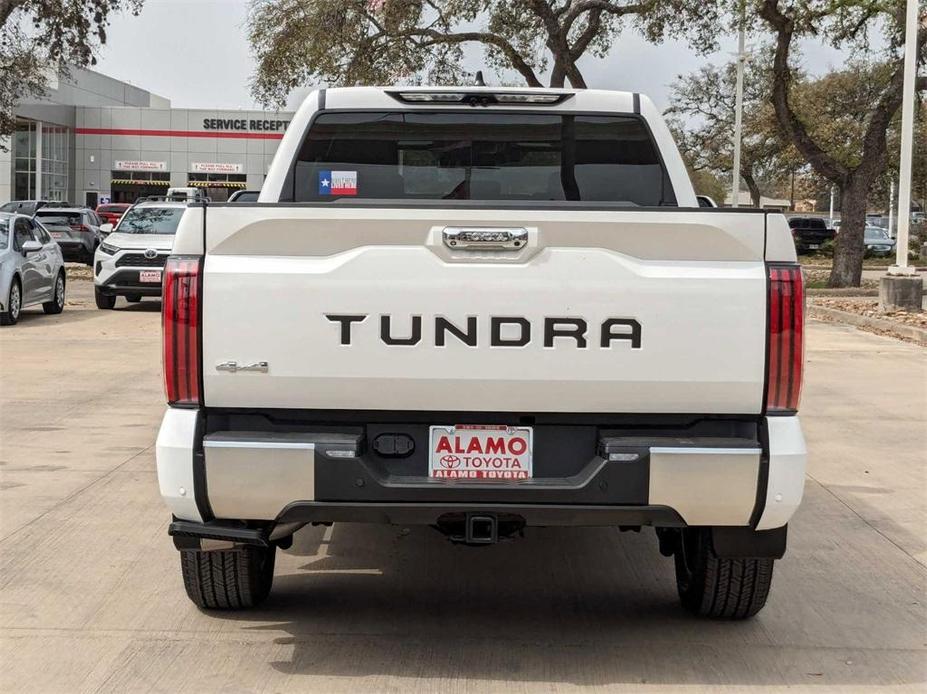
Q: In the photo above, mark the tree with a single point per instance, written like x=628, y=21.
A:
x=42, y=36
x=349, y=42
x=852, y=162
x=706, y=99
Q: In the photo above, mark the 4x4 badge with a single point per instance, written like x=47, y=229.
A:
x=233, y=367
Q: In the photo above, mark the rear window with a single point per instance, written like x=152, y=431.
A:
x=480, y=156
x=111, y=208
x=150, y=220
x=807, y=223
x=59, y=218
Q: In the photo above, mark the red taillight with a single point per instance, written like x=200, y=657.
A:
x=181, y=321
x=786, y=339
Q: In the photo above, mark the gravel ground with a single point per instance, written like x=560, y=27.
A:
x=869, y=307
x=78, y=271
x=818, y=278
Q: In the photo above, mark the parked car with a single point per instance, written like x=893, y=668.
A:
x=810, y=233
x=31, y=268
x=472, y=344
x=29, y=207
x=245, y=196
x=130, y=260
x=878, y=242
x=111, y=212
x=75, y=229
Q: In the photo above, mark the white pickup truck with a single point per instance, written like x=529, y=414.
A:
x=482, y=309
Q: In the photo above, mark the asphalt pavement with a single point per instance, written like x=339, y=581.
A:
x=91, y=597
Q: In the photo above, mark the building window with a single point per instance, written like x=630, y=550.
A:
x=24, y=147
x=55, y=160
x=54, y=163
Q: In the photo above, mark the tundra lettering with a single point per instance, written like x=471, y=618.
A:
x=574, y=328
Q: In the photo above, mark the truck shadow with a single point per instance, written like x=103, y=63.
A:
x=586, y=607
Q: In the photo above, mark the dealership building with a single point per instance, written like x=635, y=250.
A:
x=94, y=139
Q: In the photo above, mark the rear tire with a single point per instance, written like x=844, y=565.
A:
x=104, y=301
x=14, y=304
x=56, y=305
x=717, y=587
x=133, y=298
x=228, y=579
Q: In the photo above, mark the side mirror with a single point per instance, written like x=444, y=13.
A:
x=106, y=229
x=31, y=247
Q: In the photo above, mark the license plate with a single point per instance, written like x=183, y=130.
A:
x=814, y=246
x=476, y=452
x=59, y=235
x=149, y=276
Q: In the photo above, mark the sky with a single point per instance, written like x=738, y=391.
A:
x=196, y=53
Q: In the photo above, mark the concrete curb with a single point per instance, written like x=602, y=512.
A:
x=850, y=292
x=847, y=292
x=833, y=314
x=879, y=267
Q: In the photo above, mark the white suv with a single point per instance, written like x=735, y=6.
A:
x=130, y=260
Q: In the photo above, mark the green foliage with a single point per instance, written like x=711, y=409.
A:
x=354, y=42
x=708, y=183
x=702, y=116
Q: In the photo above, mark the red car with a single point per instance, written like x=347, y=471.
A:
x=111, y=213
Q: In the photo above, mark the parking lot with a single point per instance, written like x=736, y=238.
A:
x=92, y=598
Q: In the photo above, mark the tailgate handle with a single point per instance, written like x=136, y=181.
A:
x=482, y=238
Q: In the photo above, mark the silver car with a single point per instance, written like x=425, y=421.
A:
x=31, y=268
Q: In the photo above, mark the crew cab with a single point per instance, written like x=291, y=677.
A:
x=482, y=310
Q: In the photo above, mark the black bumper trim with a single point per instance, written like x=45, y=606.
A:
x=122, y=290
x=428, y=513
x=188, y=534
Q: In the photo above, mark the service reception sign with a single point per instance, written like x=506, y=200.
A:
x=140, y=166
x=217, y=168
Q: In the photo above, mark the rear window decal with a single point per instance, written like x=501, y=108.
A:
x=337, y=182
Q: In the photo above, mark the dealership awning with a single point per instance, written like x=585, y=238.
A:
x=138, y=182
x=217, y=184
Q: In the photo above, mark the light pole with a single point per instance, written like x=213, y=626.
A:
x=902, y=288
x=738, y=109
x=891, y=208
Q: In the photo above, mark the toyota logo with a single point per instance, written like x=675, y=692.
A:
x=450, y=461
x=151, y=253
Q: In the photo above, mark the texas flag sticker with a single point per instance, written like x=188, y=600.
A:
x=337, y=183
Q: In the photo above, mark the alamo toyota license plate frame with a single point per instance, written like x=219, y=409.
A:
x=481, y=453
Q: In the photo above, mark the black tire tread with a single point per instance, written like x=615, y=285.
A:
x=227, y=579
x=52, y=308
x=725, y=588
x=103, y=301
x=6, y=317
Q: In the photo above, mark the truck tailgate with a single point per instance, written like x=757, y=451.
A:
x=636, y=311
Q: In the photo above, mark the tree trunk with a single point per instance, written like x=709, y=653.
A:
x=752, y=187
x=849, y=250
